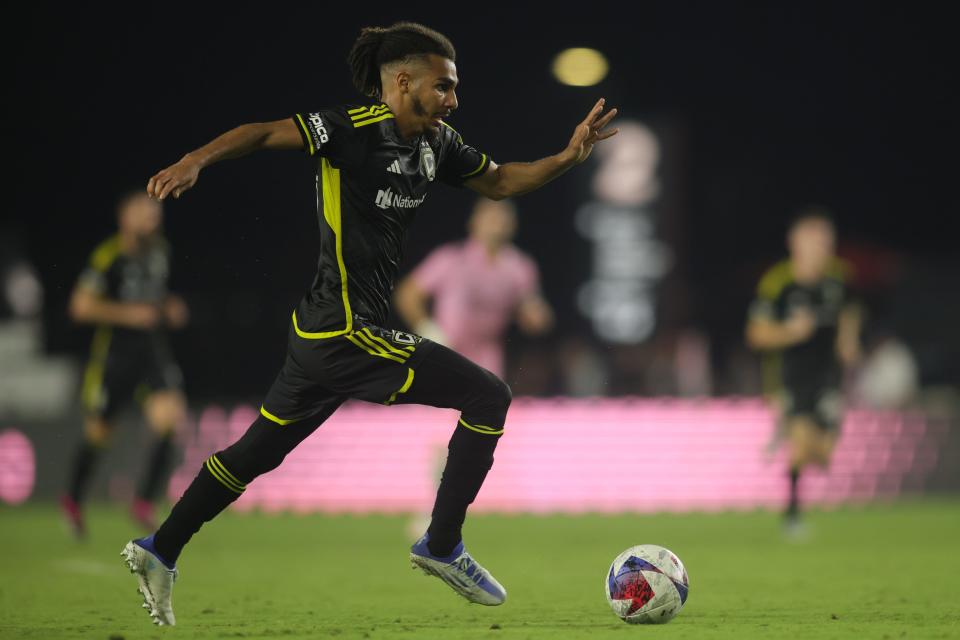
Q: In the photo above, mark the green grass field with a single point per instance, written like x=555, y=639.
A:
x=884, y=572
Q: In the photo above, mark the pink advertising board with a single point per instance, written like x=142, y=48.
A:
x=571, y=456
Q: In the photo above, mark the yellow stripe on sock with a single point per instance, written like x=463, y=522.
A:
x=226, y=472
x=221, y=478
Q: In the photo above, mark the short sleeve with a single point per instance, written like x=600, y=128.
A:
x=93, y=280
x=435, y=268
x=772, y=284
x=761, y=309
x=843, y=273
x=94, y=276
x=326, y=133
x=458, y=161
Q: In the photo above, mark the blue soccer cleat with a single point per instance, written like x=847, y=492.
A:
x=460, y=571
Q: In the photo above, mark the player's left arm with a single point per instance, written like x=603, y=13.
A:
x=516, y=178
x=176, y=313
x=849, y=324
x=534, y=315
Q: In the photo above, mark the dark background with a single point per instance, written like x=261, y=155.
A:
x=767, y=107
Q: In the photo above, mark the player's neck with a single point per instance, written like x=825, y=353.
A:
x=490, y=249
x=404, y=120
x=131, y=244
x=806, y=274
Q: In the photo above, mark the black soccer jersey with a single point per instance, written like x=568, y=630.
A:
x=813, y=362
x=370, y=182
x=125, y=278
x=121, y=358
x=128, y=278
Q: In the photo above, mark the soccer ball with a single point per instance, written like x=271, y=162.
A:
x=647, y=584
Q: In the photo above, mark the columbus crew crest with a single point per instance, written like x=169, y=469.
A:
x=428, y=162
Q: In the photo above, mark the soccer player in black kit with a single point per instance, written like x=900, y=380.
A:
x=375, y=164
x=806, y=322
x=123, y=292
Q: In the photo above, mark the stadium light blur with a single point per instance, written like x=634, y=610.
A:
x=580, y=67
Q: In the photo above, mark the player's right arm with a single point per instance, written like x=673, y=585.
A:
x=534, y=315
x=247, y=138
x=767, y=329
x=767, y=334
x=92, y=303
x=89, y=307
x=411, y=303
x=424, y=283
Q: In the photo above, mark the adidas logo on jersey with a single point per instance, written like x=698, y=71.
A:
x=386, y=198
x=394, y=167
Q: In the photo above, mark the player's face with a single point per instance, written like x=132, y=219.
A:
x=141, y=217
x=433, y=95
x=493, y=223
x=812, y=243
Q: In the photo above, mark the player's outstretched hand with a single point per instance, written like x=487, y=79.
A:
x=174, y=180
x=591, y=131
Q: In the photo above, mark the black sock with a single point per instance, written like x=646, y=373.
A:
x=212, y=491
x=225, y=474
x=793, y=506
x=84, y=462
x=469, y=458
x=158, y=468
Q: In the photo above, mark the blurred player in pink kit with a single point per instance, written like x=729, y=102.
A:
x=477, y=287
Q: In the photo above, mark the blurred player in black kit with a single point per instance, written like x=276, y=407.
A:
x=123, y=292
x=806, y=322
x=375, y=163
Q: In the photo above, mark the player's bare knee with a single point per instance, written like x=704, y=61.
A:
x=166, y=411
x=823, y=452
x=801, y=449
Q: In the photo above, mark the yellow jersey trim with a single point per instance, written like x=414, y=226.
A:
x=406, y=387
x=330, y=178
x=481, y=428
x=105, y=253
x=303, y=125
x=386, y=346
x=368, y=112
x=361, y=341
x=457, y=133
x=280, y=421
x=483, y=164
x=364, y=123
x=93, y=376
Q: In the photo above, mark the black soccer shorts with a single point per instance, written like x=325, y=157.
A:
x=369, y=363
x=121, y=370
x=823, y=404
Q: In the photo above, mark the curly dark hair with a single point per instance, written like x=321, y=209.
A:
x=377, y=46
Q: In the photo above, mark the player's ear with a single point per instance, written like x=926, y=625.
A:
x=403, y=81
